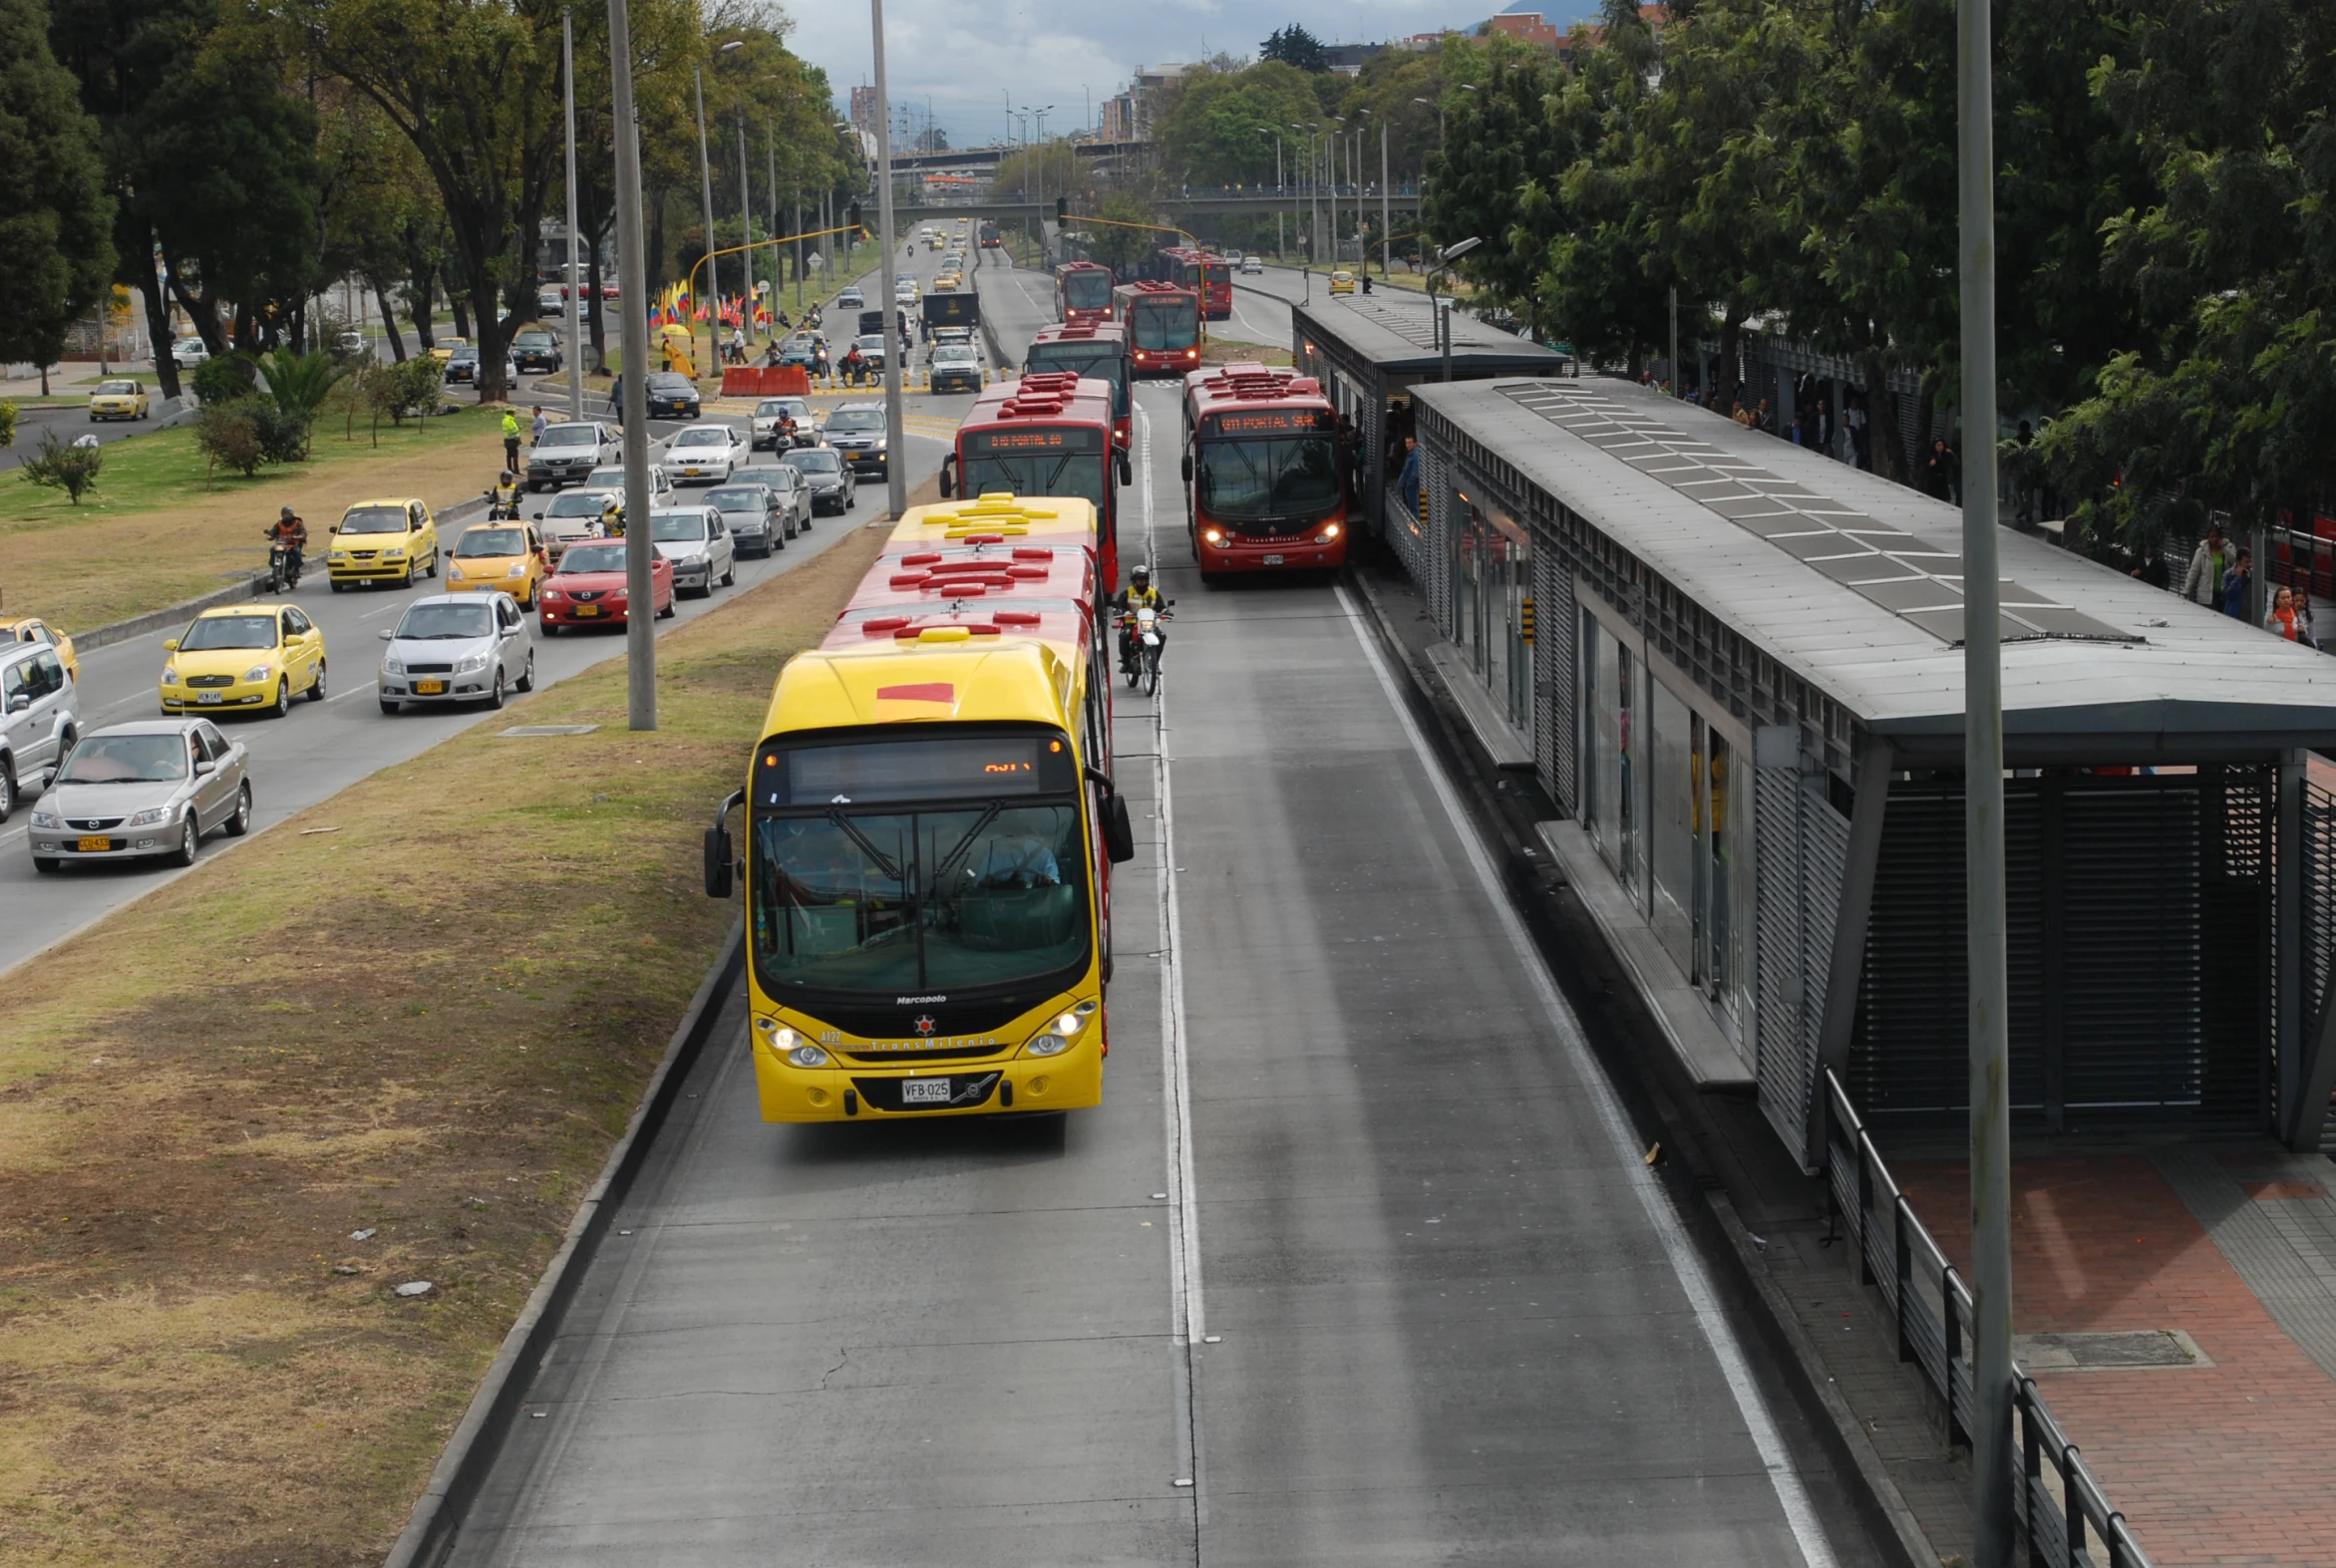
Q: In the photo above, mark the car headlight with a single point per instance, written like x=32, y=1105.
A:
x=48, y=819
x=693, y=562
x=340, y=555
x=471, y=666
x=258, y=672
x=393, y=555
x=519, y=570
x=169, y=675
x=455, y=574
x=555, y=594
x=150, y=815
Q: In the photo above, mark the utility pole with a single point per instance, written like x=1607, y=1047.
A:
x=746, y=232
x=640, y=635
x=1330, y=152
x=573, y=284
x=896, y=437
x=1385, y=207
x=1983, y=827
x=1277, y=191
x=706, y=190
x=1677, y=381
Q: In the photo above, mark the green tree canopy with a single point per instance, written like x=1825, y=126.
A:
x=1292, y=45
x=55, y=220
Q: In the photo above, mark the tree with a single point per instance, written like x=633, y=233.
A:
x=1294, y=46
x=1222, y=126
x=55, y=249
x=1497, y=166
x=70, y=468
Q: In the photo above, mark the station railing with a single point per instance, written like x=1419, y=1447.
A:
x=2063, y=1511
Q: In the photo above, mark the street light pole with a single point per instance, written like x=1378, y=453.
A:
x=640, y=635
x=896, y=437
x=746, y=232
x=1983, y=826
x=1277, y=191
x=1385, y=207
x=706, y=190
x=573, y=282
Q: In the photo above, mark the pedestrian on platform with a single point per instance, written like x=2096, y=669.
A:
x=2153, y=569
x=2203, y=583
x=2283, y=621
x=2235, y=583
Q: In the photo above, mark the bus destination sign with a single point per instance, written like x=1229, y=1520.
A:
x=1072, y=440
x=1270, y=422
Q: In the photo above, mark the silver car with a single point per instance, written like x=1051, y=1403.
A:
x=569, y=452
x=793, y=491
x=132, y=791
x=694, y=539
x=39, y=715
x=752, y=512
x=457, y=648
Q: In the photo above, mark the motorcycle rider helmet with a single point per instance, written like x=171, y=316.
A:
x=1140, y=576
x=285, y=515
x=507, y=477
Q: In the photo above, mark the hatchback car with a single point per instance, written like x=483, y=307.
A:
x=117, y=399
x=382, y=541
x=462, y=364
x=833, y=485
x=858, y=431
x=142, y=791
x=803, y=349
x=1253, y=267
x=754, y=514
x=535, y=348
x=249, y=656
x=671, y=396
x=37, y=717
x=1342, y=282
x=792, y=489
x=851, y=299
x=569, y=452
x=457, y=649
x=500, y=557
x=695, y=540
x=443, y=348
x=611, y=480
x=578, y=515
x=590, y=588
x=31, y=628
x=190, y=352
x=704, y=456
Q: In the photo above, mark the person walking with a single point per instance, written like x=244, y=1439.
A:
x=2153, y=569
x=2235, y=583
x=1935, y=470
x=2203, y=583
x=511, y=439
x=1407, y=483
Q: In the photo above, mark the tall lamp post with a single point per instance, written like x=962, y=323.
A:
x=574, y=281
x=895, y=482
x=1330, y=152
x=746, y=231
x=1443, y=307
x=641, y=636
x=706, y=191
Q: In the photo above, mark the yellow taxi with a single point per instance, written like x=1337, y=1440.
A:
x=510, y=557
x=382, y=541
x=948, y=283
x=1342, y=282
x=117, y=400
x=32, y=629
x=248, y=656
x=443, y=349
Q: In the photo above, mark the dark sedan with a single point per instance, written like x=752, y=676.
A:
x=463, y=365
x=671, y=396
x=832, y=481
x=536, y=349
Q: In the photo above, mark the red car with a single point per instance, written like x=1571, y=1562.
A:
x=588, y=588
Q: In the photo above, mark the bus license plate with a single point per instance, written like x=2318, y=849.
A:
x=1273, y=560
x=924, y=1092
x=95, y=846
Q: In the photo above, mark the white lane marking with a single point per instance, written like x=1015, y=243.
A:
x=1144, y=458
x=1187, y=1318
x=354, y=691
x=384, y=610
x=1792, y=1496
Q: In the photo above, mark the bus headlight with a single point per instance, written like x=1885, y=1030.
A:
x=1213, y=536
x=1327, y=534
x=1048, y=1044
x=1069, y=1024
x=808, y=1055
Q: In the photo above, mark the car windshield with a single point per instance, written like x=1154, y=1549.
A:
x=892, y=901
x=816, y=460
x=436, y=622
x=677, y=527
x=853, y=420
x=770, y=407
x=532, y=340
x=492, y=541
x=702, y=438
x=665, y=381
x=1286, y=480
x=230, y=631
x=374, y=519
x=593, y=557
x=128, y=759
x=871, y=343
x=463, y=353
x=117, y=389
x=571, y=435
x=952, y=354
x=577, y=503
x=736, y=500
x=1165, y=326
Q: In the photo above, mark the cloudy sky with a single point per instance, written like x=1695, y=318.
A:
x=970, y=57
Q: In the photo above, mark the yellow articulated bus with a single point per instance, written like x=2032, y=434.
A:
x=928, y=833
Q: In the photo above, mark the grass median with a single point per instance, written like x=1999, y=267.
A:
x=421, y=1010
x=159, y=530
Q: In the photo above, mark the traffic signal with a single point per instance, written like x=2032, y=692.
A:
x=1062, y=208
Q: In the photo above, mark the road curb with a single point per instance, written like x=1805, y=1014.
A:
x=1871, y=1490
x=471, y=1451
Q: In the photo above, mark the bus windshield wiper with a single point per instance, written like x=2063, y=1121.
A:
x=989, y=815
x=884, y=862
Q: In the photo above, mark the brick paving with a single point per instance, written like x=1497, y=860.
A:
x=2225, y=1463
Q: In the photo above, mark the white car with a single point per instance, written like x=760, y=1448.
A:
x=1232, y=258
x=1253, y=267
x=905, y=291
x=771, y=415
x=695, y=540
x=190, y=351
x=703, y=455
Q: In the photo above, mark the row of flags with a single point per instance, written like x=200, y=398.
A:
x=676, y=308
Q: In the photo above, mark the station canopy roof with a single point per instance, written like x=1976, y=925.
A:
x=1396, y=331
x=1854, y=583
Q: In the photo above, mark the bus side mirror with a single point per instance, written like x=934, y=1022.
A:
x=1127, y=468
x=948, y=475
x=718, y=862
x=1118, y=834
x=1187, y=466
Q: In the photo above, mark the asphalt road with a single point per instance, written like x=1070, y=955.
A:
x=1356, y=1264
x=319, y=749
x=35, y=420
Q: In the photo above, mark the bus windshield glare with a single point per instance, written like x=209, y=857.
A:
x=1035, y=462
x=1087, y=290
x=1165, y=326
x=935, y=865
x=1276, y=480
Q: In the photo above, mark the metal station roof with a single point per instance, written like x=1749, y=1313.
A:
x=1396, y=332
x=1836, y=574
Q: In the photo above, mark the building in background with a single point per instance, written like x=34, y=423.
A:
x=864, y=109
x=1148, y=94
x=1118, y=118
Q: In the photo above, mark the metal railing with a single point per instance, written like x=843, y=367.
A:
x=2063, y=1511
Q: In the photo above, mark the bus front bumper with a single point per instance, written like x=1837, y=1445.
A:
x=1230, y=552
x=849, y=1090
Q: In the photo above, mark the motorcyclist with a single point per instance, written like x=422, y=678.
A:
x=504, y=499
x=290, y=533
x=1140, y=594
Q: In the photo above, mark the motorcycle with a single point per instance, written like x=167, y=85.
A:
x=502, y=504
x=1146, y=637
x=283, y=567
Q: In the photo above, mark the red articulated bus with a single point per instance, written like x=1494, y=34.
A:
x=1047, y=435
x=1163, y=327
x=1098, y=349
x=1264, y=487
x=1083, y=292
x=1203, y=272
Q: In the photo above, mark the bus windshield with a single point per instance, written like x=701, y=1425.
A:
x=1084, y=291
x=1165, y=326
x=1281, y=481
x=1083, y=359
x=882, y=903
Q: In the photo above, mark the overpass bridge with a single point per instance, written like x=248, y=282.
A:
x=1176, y=209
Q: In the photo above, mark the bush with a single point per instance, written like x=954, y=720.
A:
x=284, y=433
x=7, y=423
x=60, y=467
x=299, y=383
x=226, y=432
x=416, y=387
x=224, y=378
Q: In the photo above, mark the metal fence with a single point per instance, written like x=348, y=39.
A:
x=2063, y=1512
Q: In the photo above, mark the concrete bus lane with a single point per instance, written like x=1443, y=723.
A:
x=318, y=750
